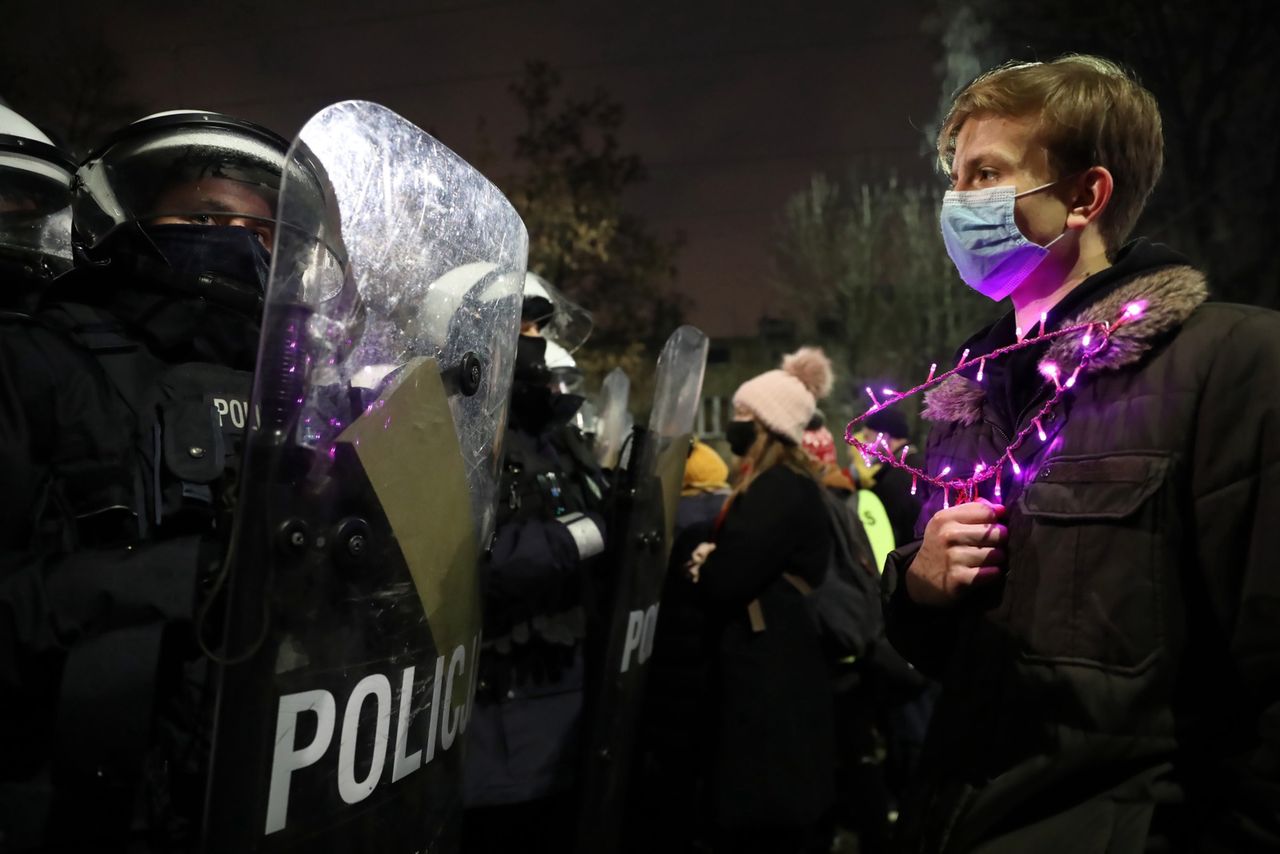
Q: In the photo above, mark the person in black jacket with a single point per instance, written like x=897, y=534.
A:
x=1104, y=628
x=664, y=813
x=772, y=777
x=125, y=400
x=525, y=729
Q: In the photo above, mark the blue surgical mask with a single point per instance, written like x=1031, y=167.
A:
x=992, y=255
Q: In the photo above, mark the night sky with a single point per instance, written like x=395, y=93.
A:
x=732, y=105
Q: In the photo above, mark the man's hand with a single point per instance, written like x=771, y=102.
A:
x=962, y=548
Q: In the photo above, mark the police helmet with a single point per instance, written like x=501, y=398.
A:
x=35, y=200
x=558, y=319
x=197, y=167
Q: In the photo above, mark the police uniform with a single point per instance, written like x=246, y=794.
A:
x=538, y=586
x=126, y=402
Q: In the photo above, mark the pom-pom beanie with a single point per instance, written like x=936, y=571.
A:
x=783, y=401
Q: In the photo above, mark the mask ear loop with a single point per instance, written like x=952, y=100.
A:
x=1044, y=187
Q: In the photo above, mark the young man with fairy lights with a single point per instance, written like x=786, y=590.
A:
x=1098, y=591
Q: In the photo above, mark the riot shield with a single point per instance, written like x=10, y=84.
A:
x=352, y=601
x=613, y=423
x=648, y=491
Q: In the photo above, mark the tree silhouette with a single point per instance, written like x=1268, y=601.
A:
x=570, y=187
x=866, y=262
x=70, y=86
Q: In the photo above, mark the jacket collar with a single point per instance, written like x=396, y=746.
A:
x=1171, y=294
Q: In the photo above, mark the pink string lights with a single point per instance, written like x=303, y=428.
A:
x=1095, y=338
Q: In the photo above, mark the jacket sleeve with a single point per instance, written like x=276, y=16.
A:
x=529, y=556
x=922, y=635
x=780, y=515
x=1235, y=485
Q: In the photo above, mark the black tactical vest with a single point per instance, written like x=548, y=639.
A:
x=185, y=424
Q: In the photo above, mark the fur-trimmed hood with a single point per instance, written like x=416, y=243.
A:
x=1171, y=294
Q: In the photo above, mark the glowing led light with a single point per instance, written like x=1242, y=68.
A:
x=967, y=489
x=946, y=497
x=1050, y=371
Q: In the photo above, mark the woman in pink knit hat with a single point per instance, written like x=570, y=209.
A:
x=771, y=776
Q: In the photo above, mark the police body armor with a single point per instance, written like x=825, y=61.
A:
x=133, y=514
x=536, y=638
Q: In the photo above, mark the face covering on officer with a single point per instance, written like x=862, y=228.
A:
x=740, y=435
x=982, y=236
x=531, y=405
x=226, y=251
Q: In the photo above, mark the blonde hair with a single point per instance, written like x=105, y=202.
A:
x=767, y=451
x=1091, y=112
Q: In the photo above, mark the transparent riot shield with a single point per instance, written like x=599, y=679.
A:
x=352, y=602
x=641, y=546
x=614, y=418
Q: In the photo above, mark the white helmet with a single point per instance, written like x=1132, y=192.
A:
x=138, y=173
x=35, y=200
x=558, y=357
x=560, y=320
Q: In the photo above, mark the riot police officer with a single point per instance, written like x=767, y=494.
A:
x=126, y=403
x=35, y=211
x=523, y=747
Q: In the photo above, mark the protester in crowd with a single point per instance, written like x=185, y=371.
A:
x=820, y=445
x=862, y=803
x=771, y=778
x=668, y=779
x=704, y=489
x=1105, y=631
x=890, y=485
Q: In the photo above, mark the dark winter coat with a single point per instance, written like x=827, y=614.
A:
x=773, y=760
x=1118, y=689
x=893, y=488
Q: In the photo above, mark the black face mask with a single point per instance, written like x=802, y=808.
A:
x=531, y=360
x=741, y=435
x=227, y=251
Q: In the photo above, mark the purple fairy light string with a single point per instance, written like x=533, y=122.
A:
x=1095, y=339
